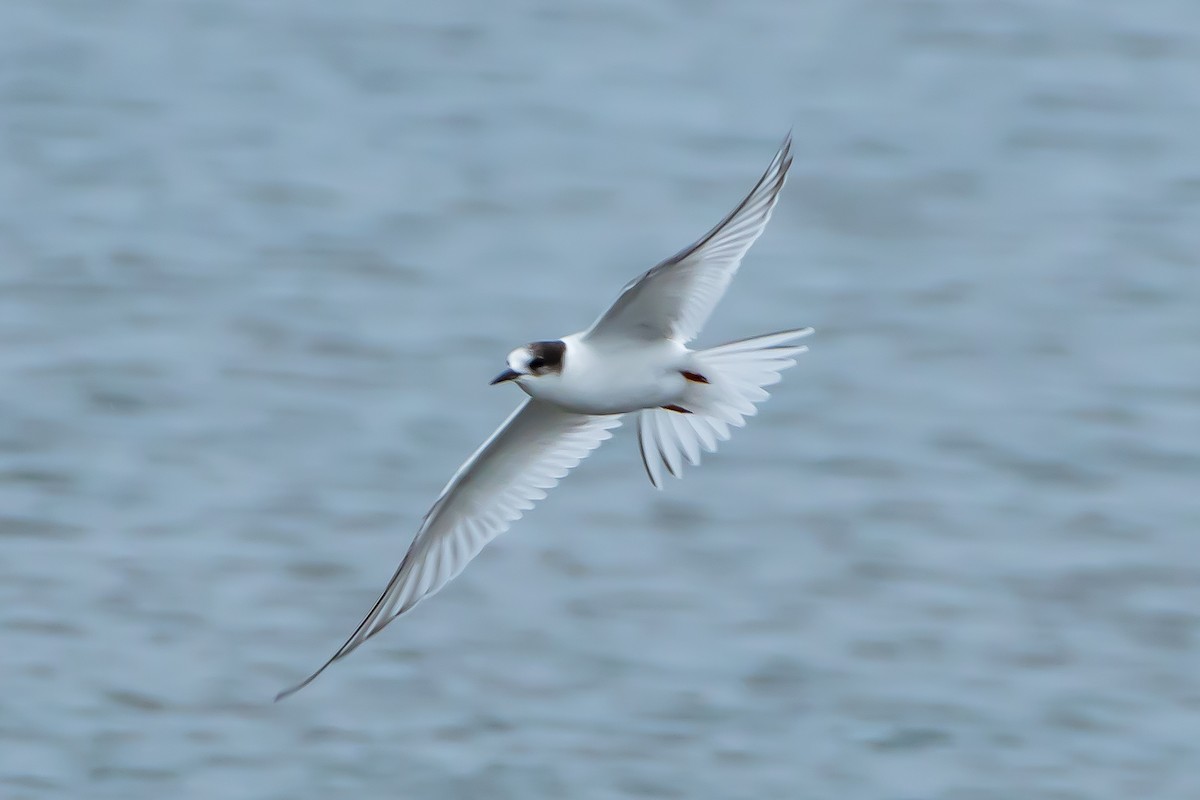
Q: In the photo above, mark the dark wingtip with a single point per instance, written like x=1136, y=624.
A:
x=286, y=693
x=292, y=690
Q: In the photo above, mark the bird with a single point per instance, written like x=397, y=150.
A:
x=634, y=359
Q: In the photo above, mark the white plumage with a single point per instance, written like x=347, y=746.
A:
x=674, y=299
x=632, y=359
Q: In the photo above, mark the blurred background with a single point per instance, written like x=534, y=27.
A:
x=258, y=261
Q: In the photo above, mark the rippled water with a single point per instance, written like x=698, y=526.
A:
x=259, y=260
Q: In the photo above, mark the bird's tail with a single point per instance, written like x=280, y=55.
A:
x=727, y=383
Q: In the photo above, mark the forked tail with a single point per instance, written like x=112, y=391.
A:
x=728, y=382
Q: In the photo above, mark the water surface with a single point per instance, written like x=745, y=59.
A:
x=259, y=260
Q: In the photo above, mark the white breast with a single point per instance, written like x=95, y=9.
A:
x=613, y=378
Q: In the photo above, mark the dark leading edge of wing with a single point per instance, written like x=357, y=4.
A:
x=526, y=457
x=675, y=298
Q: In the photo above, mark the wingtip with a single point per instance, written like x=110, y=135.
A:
x=777, y=172
x=291, y=690
x=785, y=147
x=286, y=693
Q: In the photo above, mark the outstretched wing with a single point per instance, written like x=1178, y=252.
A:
x=674, y=299
x=528, y=455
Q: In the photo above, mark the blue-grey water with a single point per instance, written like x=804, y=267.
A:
x=258, y=261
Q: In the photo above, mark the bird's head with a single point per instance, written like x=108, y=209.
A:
x=533, y=361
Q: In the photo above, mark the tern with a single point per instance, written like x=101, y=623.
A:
x=633, y=360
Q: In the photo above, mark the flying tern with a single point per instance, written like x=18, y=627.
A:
x=634, y=359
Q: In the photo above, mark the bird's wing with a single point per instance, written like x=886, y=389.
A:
x=675, y=298
x=527, y=455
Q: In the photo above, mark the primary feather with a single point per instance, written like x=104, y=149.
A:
x=674, y=299
x=526, y=456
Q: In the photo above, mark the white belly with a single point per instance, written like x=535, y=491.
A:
x=614, y=380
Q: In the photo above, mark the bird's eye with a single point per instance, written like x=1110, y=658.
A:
x=537, y=363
